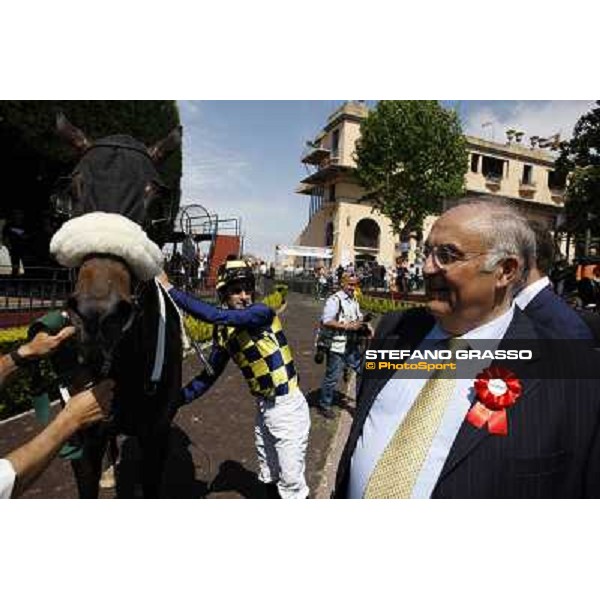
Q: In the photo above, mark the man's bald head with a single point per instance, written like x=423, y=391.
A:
x=504, y=231
x=477, y=253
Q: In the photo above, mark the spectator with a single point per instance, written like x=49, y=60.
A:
x=15, y=239
x=589, y=289
x=414, y=438
x=343, y=317
x=553, y=317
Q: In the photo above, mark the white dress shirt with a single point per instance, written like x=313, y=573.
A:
x=7, y=478
x=399, y=394
x=526, y=295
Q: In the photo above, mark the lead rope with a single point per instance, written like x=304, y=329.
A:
x=159, y=357
x=186, y=339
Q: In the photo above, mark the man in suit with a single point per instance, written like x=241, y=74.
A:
x=552, y=316
x=476, y=257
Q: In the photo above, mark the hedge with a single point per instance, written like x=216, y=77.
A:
x=384, y=305
x=15, y=397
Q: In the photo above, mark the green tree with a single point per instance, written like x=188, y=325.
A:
x=580, y=160
x=411, y=156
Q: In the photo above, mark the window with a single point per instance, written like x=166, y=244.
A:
x=366, y=234
x=335, y=143
x=527, y=172
x=492, y=168
x=474, y=162
x=329, y=234
x=332, y=193
x=556, y=181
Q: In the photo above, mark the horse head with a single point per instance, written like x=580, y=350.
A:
x=116, y=173
x=116, y=177
x=102, y=307
x=119, y=318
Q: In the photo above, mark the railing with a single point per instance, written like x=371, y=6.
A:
x=493, y=178
x=40, y=287
x=314, y=155
x=305, y=282
x=527, y=185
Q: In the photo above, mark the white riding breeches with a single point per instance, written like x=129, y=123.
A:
x=281, y=436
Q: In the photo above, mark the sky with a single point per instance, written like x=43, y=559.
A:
x=242, y=158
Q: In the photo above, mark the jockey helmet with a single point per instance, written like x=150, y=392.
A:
x=232, y=272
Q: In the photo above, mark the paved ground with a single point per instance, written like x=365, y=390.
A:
x=212, y=450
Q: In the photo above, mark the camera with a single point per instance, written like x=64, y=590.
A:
x=319, y=355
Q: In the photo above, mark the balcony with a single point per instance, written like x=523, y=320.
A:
x=493, y=181
x=305, y=188
x=327, y=171
x=527, y=188
x=315, y=155
x=557, y=195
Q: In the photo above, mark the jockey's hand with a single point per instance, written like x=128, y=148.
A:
x=164, y=280
x=44, y=344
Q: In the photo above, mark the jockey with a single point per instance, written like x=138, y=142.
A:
x=252, y=335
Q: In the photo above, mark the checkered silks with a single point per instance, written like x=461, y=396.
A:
x=263, y=356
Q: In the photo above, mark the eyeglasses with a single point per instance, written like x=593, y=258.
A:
x=445, y=255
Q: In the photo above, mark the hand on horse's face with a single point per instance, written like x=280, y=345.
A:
x=93, y=405
x=44, y=344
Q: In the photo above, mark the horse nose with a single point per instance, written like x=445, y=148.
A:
x=85, y=314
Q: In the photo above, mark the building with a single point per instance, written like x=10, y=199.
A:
x=354, y=233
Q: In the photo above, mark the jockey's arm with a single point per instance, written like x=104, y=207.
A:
x=256, y=315
x=198, y=386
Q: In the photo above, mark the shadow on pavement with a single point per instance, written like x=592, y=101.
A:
x=339, y=399
x=180, y=472
x=233, y=476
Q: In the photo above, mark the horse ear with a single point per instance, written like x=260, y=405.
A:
x=71, y=134
x=159, y=151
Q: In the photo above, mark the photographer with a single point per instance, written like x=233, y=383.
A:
x=342, y=317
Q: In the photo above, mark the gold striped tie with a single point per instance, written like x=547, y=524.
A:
x=396, y=471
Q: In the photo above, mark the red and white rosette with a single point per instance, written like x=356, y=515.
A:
x=496, y=389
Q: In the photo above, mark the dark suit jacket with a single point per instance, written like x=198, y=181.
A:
x=554, y=318
x=552, y=449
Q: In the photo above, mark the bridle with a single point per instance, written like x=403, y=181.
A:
x=137, y=288
x=64, y=198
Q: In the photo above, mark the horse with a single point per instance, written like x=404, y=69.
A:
x=126, y=326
